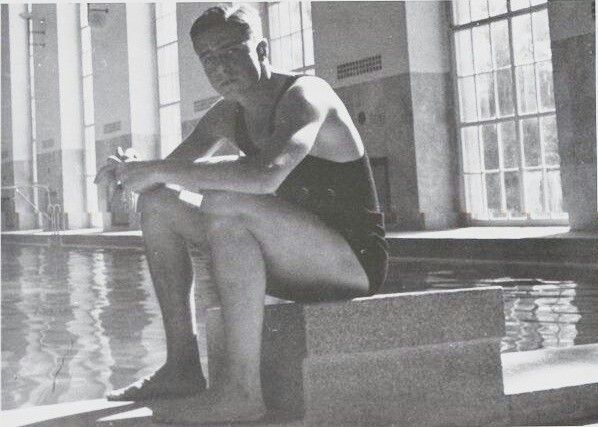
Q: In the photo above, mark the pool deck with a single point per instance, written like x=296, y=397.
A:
x=537, y=383
x=513, y=244
x=553, y=252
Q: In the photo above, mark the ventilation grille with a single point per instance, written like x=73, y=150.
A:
x=355, y=68
x=112, y=127
x=204, y=104
x=48, y=143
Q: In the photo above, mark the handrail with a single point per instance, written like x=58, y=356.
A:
x=53, y=210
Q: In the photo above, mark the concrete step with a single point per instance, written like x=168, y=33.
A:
x=421, y=358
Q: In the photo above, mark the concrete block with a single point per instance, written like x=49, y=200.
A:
x=387, y=358
x=401, y=320
x=446, y=384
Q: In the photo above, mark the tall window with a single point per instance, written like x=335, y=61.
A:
x=168, y=77
x=291, y=36
x=507, y=123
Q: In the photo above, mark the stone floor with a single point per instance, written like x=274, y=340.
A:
x=525, y=374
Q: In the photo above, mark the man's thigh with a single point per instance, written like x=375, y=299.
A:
x=305, y=258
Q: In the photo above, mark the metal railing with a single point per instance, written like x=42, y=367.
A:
x=53, y=213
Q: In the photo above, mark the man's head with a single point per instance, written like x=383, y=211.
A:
x=229, y=43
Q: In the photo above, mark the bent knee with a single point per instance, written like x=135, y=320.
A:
x=156, y=202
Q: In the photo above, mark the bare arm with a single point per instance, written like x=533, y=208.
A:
x=207, y=137
x=300, y=116
x=211, y=131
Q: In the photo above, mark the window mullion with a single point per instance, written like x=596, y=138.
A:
x=508, y=14
x=516, y=117
x=540, y=133
x=501, y=175
x=457, y=113
x=482, y=170
x=301, y=32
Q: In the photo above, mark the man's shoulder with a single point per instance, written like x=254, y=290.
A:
x=309, y=90
x=309, y=85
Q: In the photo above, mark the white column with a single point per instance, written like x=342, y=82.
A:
x=71, y=114
x=143, y=80
x=96, y=218
x=20, y=92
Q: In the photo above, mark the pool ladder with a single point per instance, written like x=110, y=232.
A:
x=53, y=214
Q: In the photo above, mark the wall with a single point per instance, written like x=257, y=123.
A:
x=572, y=32
x=404, y=111
x=110, y=80
x=349, y=31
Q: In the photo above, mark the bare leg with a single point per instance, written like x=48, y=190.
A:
x=239, y=271
x=172, y=276
x=249, y=235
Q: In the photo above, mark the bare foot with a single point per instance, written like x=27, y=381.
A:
x=166, y=382
x=214, y=406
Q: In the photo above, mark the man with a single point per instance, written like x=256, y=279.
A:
x=295, y=217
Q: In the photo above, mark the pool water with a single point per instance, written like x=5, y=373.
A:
x=79, y=322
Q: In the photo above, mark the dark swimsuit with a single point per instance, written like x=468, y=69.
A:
x=342, y=194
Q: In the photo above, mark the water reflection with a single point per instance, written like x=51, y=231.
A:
x=538, y=313
x=125, y=316
x=76, y=323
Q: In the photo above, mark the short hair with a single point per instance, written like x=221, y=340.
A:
x=239, y=15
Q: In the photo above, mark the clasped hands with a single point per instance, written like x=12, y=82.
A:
x=125, y=170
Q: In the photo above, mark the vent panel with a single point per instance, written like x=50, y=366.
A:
x=356, y=68
x=112, y=127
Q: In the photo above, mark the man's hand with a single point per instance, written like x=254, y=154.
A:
x=135, y=176
x=107, y=174
x=139, y=176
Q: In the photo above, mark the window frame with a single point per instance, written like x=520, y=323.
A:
x=168, y=75
x=304, y=69
x=516, y=118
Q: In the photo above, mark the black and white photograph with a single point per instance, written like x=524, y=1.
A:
x=298, y=213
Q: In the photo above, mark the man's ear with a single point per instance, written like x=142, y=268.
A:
x=262, y=50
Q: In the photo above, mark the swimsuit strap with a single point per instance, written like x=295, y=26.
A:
x=242, y=134
x=287, y=84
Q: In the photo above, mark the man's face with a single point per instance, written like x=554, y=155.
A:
x=230, y=60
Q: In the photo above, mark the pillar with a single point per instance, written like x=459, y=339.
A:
x=96, y=218
x=71, y=115
x=20, y=93
x=431, y=105
x=143, y=80
x=572, y=33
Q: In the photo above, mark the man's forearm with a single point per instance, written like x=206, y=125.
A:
x=226, y=175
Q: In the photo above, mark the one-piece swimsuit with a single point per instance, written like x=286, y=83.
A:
x=342, y=194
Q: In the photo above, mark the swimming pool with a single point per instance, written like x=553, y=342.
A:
x=79, y=322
